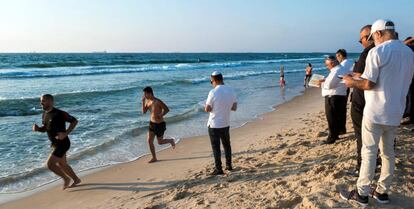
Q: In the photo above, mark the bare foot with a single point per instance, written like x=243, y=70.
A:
x=153, y=160
x=75, y=182
x=66, y=182
x=173, y=144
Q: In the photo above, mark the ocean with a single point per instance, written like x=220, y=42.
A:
x=103, y=91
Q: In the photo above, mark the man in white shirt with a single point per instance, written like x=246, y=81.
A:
x=334, y=92
x=348, y=65
x=220, y=102
x=386, y=78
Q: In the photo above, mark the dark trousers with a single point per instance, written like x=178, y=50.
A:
x=335, y=111
x=409, y=108
x=356, y=115
x=215, y=135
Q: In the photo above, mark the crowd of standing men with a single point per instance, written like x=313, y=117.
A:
x=381, y=80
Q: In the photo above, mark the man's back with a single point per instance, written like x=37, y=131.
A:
x=391, y=66
x=221, y=99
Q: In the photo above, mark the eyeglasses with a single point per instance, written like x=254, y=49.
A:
x=363, y=37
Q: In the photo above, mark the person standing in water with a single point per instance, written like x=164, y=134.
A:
x=54, y=123
x=308, y=75
x=157, y=125
x=282, y=81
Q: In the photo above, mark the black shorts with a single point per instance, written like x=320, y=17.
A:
x=308, y=76
x=158, y=128
x=60, y=147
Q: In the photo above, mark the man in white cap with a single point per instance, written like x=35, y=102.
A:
x=220, y=102
x=386, y=78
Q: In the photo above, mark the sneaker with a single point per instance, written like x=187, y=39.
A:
x=229, y=168
x=216, y=172
x=381, y=198
x=356, y=173
x=353, y=196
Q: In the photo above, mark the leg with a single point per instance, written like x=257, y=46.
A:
x=52, y=164
x=215, y=145
x=150, y=140
x=344, y=110
x=161, y=140
x=67, y=169
x=371, y=134
x=356, y=115
x=339, y=103
x=225, y=140
x=330, y=117
x=386, y=146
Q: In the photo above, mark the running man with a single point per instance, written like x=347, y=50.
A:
x=157, y=125
x=54, y=123
x=307, y=76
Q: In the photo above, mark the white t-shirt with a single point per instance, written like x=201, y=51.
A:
x=221, y=99
x=391, y=66
x=333, y=85
x=348, y=65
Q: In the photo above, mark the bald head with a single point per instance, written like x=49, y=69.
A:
x=46, y=101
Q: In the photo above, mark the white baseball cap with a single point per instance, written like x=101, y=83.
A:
x=381, y=24
x=215, y=73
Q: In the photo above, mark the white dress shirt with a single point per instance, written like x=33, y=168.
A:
x=333, y=85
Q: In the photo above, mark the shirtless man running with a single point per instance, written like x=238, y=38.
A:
x=157, y=125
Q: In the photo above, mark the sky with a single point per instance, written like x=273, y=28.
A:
x=194, y=25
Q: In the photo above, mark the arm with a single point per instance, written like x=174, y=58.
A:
x=331, y=81
x=363, y=84
x=209, y=102
x=36, y=128
x=71, y=127
x=164, y=107
x=234, y=107
x=73, y=122
x=208, y=108
x=144, y=107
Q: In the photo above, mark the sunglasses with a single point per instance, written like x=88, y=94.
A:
x=363, y=37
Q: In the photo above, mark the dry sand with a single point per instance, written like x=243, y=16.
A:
x=278, y=161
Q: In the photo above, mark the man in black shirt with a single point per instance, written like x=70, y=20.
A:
x=54, y=123
x=409, y=109
x=358, y=100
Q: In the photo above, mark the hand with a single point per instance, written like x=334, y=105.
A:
x=143, y=98
x=35, y=128
x=321, y=81
x=61, y=135
x=348, y=80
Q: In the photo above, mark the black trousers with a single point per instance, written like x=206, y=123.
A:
x=335, y=111
x=356, y=115
x=215, y=135
x=409, y=108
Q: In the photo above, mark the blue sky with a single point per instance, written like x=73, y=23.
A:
x=193, y=26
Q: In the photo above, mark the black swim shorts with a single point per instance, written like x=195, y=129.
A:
x=158, y=128
x=60, y=147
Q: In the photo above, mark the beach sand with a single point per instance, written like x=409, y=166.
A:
x=278, y=161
